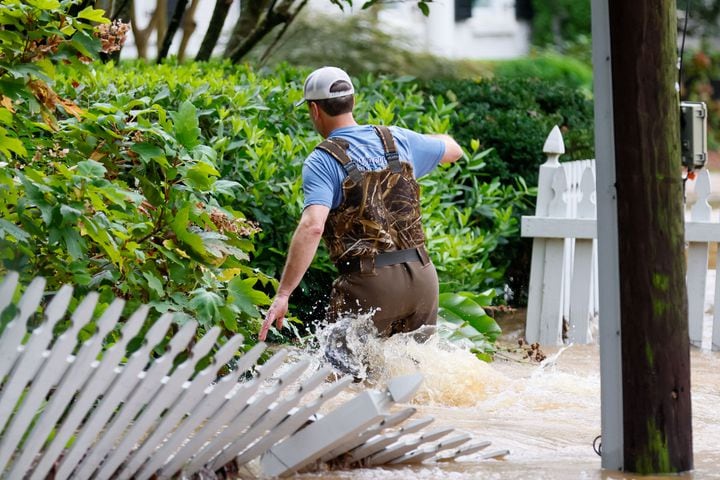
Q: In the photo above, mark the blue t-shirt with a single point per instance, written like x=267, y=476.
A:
x=323, y=175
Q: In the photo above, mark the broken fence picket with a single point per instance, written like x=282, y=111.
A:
x=71, y=409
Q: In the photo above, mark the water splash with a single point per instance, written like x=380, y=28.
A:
x=453, y=375
x=351, y=345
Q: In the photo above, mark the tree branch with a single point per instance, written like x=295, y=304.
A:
x=274, y=43
x=214, y=29
x=172, y=28
x=267, y=22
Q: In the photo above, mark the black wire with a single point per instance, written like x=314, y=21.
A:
x=597, y=446
x=680, y=71
x=682, y=43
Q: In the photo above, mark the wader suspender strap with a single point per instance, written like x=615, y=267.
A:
x=336, y=148
x=391, y=154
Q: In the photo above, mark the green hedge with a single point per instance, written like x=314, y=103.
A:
x=548, y=67
x=513, y=117
x=144, y=196
x=560, y=21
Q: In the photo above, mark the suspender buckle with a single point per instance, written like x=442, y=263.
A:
x=367, y=265
x=393, y=161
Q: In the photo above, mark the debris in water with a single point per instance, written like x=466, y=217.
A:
x=351, y=345
x=532, y=351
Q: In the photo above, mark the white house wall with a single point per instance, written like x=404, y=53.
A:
x=491, y=33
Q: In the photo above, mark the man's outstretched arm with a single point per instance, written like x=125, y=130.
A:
x=302, y=250
x=452, y=150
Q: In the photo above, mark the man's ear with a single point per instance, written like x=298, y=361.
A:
x=313, y=107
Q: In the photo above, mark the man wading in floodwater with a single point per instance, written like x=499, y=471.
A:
x=362, y=197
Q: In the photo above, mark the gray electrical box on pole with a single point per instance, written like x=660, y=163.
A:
x=693, y=134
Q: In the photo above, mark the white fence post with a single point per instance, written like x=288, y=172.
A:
x=697, y=261
x=567, y=284
x=582, y=283
x=551, y=315
x=553, y=148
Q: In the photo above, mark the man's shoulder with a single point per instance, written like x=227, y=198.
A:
x=316, y=156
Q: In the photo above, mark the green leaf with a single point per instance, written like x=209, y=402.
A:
x=216, y=246
x=460, y=309
x=8, y=228
x=206, y=305
x=10, y=145
x=147, y=151
x=47, y=66
x=6, y=117
x=245, y=297
x=13, y=87
x=200, y=176
x=98, y=232
x=151, y=191
x=203, y=152
x=94, y=15
x=229, y=318
x=86, y=44
x=179, y=224
x=154, y=283
x=424, y=8
x=91, y=169
x=45, y=4
x=162, y=306
x=69, y=214
x=226, y=187
x=73, y=242
x=187, y=132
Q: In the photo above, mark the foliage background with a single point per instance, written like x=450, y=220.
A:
x=179, y=186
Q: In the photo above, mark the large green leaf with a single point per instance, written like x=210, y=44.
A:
x=149, y=152
x=201, y=176
x=461, y=309
x=180, y=223
x=91, y=168
x=93, y=14
x=216, y=245
x=74, y=242
x=86, y=44
x=154, y=283
x=10, y=145
x=8, y=228
x=187, y=131
x=245, y=297
x=458, y=308
x=44, y=4
x=206, y=304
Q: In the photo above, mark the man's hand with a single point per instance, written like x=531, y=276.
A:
x=276, y=314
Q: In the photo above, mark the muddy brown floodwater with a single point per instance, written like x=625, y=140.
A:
x=546, y=414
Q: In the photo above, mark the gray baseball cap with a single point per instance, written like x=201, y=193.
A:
x=318, y=83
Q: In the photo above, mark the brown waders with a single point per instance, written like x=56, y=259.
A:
x=377, y=243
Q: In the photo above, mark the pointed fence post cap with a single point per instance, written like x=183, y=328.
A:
x=554, y=144
x=401, y=389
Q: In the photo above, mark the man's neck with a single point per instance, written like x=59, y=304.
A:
x=340, y=121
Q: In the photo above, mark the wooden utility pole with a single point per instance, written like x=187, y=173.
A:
x=654, y=345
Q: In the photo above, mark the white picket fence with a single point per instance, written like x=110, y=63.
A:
x=563, y=288
x=71, y=409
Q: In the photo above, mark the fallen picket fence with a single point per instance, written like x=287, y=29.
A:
x=71, y=409
x=563, y=286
